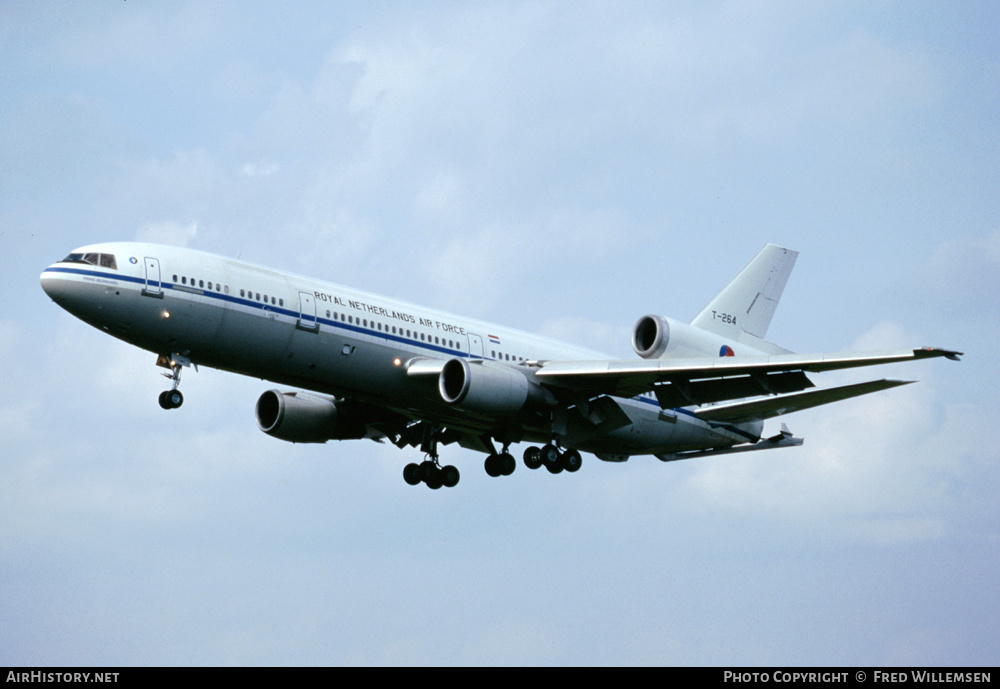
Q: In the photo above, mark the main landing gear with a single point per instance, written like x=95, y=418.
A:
x=172, y=398
x=553, y=459
x=430, y=470
x=501, y=464
x=431, y=473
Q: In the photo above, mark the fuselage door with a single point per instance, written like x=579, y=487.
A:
x=307, y=312
x=475, y=346
x=152, y=286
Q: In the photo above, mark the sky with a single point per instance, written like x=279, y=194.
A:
x=560, y=167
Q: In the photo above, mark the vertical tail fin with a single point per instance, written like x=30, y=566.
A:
x=747, y=303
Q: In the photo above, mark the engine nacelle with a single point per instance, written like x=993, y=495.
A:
x=302, y=418
x=487, y=387
x=650, y=336
x=654, y=337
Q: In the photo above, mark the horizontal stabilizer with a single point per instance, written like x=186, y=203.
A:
x=770, y=407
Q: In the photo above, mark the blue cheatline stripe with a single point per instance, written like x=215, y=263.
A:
x=241, y=301
x=343, y=326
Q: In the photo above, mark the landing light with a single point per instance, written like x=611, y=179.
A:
x=397, y=362
x=165, y=313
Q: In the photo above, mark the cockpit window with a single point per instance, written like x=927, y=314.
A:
x=101, y=260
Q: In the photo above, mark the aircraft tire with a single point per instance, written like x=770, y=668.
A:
x=550, y=458
x=427, y=470
x=435, y=480
x=572, y=461
x=533, y=458
x=164, y=402
x=450, y=476
x=506, y=464
x=175, y=398
x=411, y=474
x=492, y=466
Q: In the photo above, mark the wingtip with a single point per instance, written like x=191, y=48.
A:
x=938, y=351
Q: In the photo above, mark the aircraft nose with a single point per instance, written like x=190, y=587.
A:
x=56, y=286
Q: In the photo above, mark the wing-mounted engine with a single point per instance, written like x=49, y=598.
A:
x=488, y=387
x=654, y=337
x=307, y=418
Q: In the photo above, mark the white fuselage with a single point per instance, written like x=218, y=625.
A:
x=332, y=339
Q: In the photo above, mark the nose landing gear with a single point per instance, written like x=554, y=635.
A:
x=172, y=398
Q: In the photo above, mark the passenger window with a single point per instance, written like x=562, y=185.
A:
x=201, y=283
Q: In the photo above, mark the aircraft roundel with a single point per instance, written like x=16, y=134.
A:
x=726, y=351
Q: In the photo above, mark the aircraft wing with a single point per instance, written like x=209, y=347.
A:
x=769, y=407
x=685, y=382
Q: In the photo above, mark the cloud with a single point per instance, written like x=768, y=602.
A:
x=960, y=279
x=169, y=232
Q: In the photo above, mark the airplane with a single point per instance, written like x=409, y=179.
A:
x=369, y=366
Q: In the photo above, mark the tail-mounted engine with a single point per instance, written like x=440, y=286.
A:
x=650, y=336
x=654, y=337
x=305, y=418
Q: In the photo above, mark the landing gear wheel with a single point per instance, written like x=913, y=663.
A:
x=449, y=476
x=436, y=478
x=506, y=463
x=492, y=466
x=572, y=461
x=550, y=458
x=171, y=399
x=427, y=470
x=533, y=458
x=411, y=474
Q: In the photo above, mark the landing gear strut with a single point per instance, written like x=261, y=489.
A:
x=172, y=398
